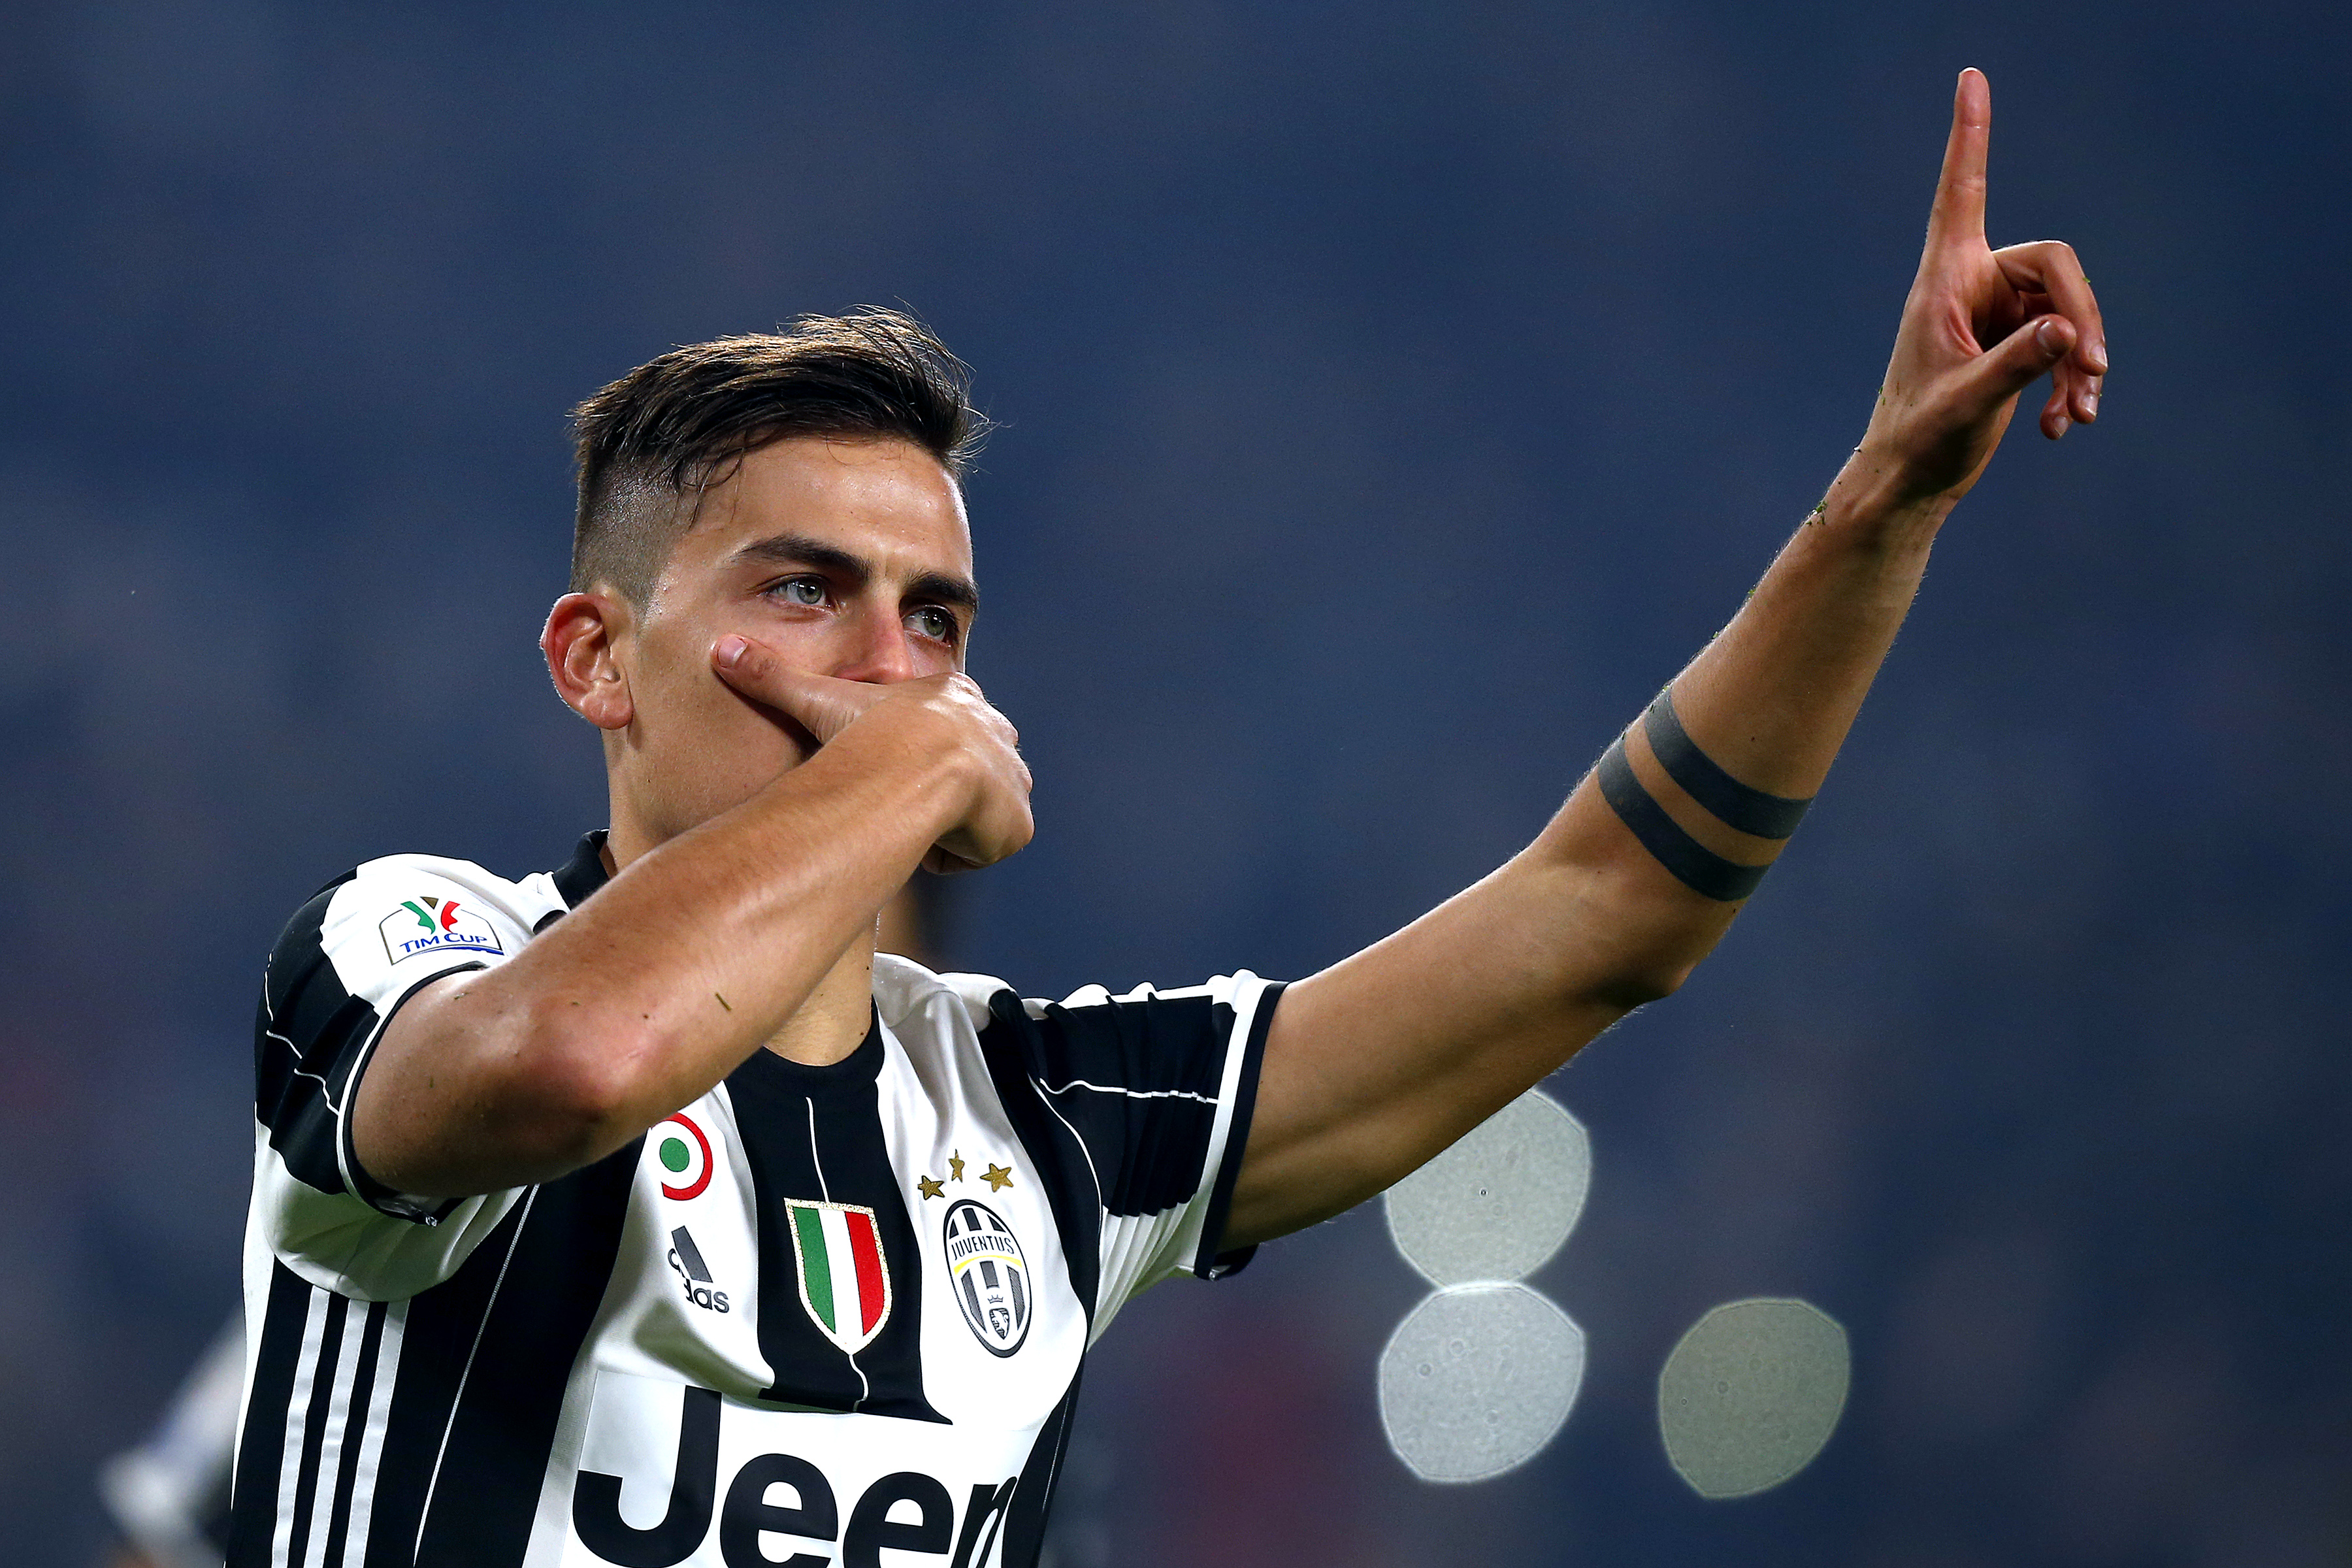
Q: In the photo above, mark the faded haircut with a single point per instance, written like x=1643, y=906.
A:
x=651, y=444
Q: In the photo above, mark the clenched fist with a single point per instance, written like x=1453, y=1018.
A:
x=943, y=714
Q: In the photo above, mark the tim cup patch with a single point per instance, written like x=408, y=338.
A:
x=988, y=1275
x=429, y=924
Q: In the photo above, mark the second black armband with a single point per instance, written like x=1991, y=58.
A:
x=1697, y=867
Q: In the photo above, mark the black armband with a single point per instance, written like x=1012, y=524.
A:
x=1697, y=867
x=1733, y=804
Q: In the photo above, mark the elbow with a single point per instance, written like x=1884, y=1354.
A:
x=1654, y=940
x=1639, y=983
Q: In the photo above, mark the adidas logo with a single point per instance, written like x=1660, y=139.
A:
x=693, y=1274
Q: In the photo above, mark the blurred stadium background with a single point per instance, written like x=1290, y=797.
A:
x=1393, y=396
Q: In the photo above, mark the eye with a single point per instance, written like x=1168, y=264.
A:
x=934, y=623
x=807, y=591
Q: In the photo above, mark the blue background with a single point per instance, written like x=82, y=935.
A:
x=1393, y=396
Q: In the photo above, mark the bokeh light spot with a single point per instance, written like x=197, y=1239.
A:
x=1751, y=1394
x=1500, y=1202
x=1478, y=1379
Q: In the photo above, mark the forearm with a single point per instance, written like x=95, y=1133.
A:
x=1768, y=702
x=690, y=958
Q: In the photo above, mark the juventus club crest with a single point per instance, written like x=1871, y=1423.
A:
x=845, y=1279
x=988, y=1275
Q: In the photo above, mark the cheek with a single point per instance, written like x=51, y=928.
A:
x=674, y=670
x=687, y=709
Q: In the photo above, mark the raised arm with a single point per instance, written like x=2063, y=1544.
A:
x=1377, y=1064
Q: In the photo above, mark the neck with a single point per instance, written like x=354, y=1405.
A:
x=832, y=1022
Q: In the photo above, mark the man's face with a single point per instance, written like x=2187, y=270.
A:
x=850, y=558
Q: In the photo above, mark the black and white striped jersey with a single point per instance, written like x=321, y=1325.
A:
x=818, y=1315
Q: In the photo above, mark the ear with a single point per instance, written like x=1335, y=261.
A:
x=581, y=642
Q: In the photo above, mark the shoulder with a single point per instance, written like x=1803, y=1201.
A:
x=906, y=993
x=904, y=989
x=397, y=913
x=1224, y=991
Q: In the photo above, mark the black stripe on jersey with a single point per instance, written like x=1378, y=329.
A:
x=1139, y=1082
x=1053, y=1148
x=315, y=1424
x=483, y=1364
x=253, y=1509
x=305, y=1023
x=339, y=1518
x=1213, y=1263
x=814, y=1132
x=1033, y=1496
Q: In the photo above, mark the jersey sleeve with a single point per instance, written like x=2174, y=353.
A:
x=341, y=970
x=1158, y=1086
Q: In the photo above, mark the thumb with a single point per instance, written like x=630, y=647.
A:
x=820, y=704
x=2014, y=364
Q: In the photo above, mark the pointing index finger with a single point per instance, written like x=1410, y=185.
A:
x=1958, y=213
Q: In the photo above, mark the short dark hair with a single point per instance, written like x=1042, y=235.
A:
x=679, y=425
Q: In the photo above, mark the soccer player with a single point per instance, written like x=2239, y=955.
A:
x=641, y=1212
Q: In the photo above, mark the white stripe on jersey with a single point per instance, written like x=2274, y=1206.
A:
x=331, y=1451
x=1130, y=1093
x=379, y=1415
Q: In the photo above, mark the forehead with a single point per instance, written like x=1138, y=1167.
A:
x=885, y=500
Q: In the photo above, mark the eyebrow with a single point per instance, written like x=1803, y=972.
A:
x=798, y=550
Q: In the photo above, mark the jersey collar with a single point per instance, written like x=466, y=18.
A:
x=858, y=1069
x=584, y=872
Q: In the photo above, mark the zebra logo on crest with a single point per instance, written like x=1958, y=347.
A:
x=988, y=1275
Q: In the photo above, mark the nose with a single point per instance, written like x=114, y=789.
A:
x=883, y=652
